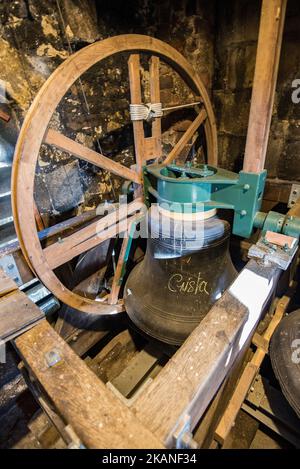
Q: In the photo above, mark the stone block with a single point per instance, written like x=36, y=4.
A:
x=64, y=188
x=238, y=21
x=276, y=145
x=286, y=109
x=166, y=82
x=231, y=151
x=289, y=163
x=232, y=111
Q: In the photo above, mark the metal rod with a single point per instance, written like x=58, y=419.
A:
x=181, y=106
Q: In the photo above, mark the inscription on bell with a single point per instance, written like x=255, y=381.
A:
x=178, y=284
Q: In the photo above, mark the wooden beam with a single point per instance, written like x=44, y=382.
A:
x=38, y=219
x=64, y=143
x=277, y=190
x=61, y=252
x=155, y=98
x=17, y=313
x=51, y=231
x=227, y=421
x=136, y=98
x=186, y=137
x=264, y=84
x=7, y=285
x=98, y=418
x=187, y=384
x=90, y=236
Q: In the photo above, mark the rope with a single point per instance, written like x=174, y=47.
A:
x=146, y=112
x=149, y=111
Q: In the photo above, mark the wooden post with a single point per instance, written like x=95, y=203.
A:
x=136, y=98
x=265, y=77
x=155, y=98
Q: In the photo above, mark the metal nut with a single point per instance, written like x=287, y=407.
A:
x=52, y=358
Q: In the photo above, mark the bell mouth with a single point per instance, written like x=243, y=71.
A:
x=181, y=276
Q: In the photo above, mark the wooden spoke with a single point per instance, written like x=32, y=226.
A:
x=186, y=137
x=155, y=98
x=136, y=98
x=64, y=143
x=90, y=236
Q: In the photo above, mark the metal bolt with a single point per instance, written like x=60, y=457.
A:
x=246, y=187
x=52, y=358
x=10, y=266
x=243, y=212
x=252, y=389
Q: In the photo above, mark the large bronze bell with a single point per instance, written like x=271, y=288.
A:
x=184, y=271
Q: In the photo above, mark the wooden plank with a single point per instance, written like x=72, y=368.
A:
x=204, y=433
x=90, y=236
x=277, y=190
x=137, y=370
x=4, y=116
x=235, y=403
x=17, y=313
x=38, y=219
x=136, y=98
x=152, y=148
x=98, y=418
x=51, y=231
x=191, y=378
x=7, y=285
x=239, y=395
x=59, y=140
x=155, y=98
x=61, y=252
x=191, y=375
x=280, y=239
x=265, y=76
x=186, y=137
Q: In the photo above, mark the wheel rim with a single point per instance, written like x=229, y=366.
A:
x=32, y=136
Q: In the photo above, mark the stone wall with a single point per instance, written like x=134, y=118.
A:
x=237, y=25
x=36, y=36
x=218, y=38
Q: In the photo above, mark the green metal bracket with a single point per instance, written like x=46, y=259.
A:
x=206, y=187
x=278, y=222
x=128, y=247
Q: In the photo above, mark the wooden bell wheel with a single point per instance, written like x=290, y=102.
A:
x=35, y=131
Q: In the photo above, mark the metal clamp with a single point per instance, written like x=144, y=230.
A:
x=183, y=437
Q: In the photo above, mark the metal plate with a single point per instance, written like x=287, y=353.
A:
x=8, y=264
x=294, y=195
